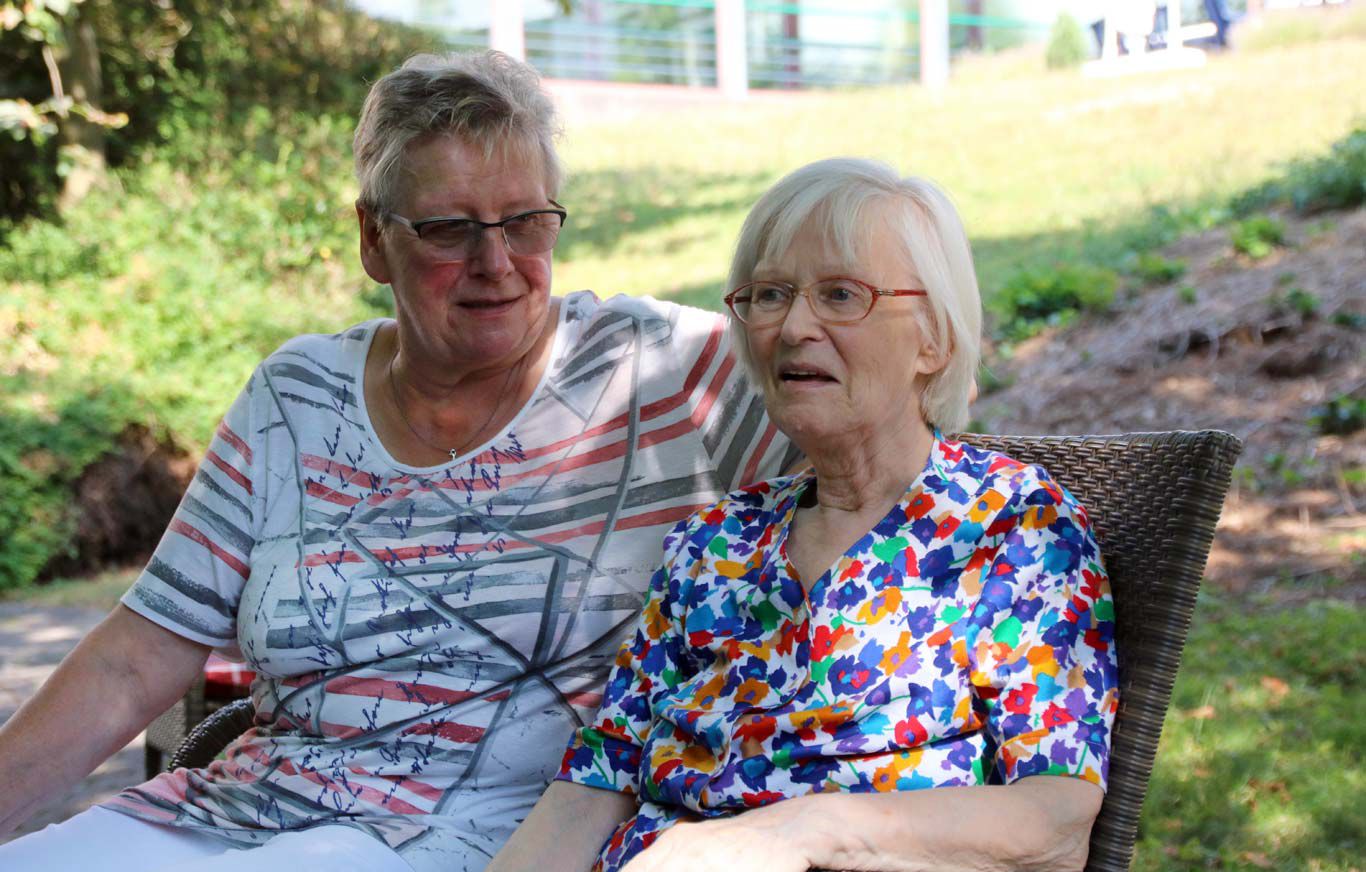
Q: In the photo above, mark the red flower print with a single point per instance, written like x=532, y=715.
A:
x=756, y=727
x=1019, y=699
x=854, y=570
x=946, y=527
x=1055, y=716
x=1090, y=584
x=909, y=733
x=826, y=640
x=919, y=506
x=763, y=797
x=699, y=638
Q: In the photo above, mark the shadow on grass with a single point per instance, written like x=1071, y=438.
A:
x=608, y=207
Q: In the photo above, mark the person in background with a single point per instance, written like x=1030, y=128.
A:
x=900, y=658
x=426, y=534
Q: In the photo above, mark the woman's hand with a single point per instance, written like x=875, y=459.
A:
x=760, y=839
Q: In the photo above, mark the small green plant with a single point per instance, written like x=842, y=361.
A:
x=1257, y=236
x=1067, y=44
x=1340, y=416
x=1296, y=301
x=1186, y=294
x=1154, y=269
x=1350, y=320
x=1032, y=299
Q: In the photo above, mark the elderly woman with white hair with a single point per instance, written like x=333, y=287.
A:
x=426, y=534
x=900, y=658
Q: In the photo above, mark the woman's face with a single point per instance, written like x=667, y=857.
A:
x=825, y=384
x=487, y=310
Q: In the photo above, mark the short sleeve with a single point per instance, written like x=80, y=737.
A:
x=607, y=753
x=1043, y=659
x=195, y=578
x=741, y=442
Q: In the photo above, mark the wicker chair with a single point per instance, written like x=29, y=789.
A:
x=1154, y=499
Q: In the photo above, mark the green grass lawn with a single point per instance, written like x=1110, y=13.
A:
x=1260, y=765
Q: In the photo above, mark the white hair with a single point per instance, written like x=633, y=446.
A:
x=840, y=192
x=483, y=98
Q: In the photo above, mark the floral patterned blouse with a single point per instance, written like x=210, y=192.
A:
x=966, y=639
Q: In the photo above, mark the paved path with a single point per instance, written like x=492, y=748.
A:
x=33, y=640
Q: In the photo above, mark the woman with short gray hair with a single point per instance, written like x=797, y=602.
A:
x=899, y=658
x=425, y=534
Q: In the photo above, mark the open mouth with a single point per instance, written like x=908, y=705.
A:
x=804, y=375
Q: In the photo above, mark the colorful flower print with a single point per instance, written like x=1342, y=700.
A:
x=967, y=639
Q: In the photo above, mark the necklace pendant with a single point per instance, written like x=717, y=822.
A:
x=455, y=452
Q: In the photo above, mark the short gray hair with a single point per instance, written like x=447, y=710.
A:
x=838, y=192
x=484, y=98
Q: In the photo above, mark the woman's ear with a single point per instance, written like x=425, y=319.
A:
x=935, y=350
x=372, y=254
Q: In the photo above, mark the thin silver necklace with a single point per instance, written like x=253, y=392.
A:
x=456, y=451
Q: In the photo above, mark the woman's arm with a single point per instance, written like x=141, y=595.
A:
x=123, y=674
x=565, y=830
x=1038, y=823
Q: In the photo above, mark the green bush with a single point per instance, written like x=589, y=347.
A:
x=1336, y=180
x=1151, y=268
x=1257, y=236
x=1035, y=298
x=149, y=307
x=1068, y=45
x=177, y=67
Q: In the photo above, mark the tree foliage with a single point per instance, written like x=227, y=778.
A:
x=173, y=67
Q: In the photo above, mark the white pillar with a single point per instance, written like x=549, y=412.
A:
x=934, y=43
x=732, y=63
x=1174, y=26
x=506, y=33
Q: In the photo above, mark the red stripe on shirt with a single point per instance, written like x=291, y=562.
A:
x=450, y=731
x=241, y=447
x=184, y=529
x=229, y=470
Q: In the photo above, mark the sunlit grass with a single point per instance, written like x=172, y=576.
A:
x=1041, y=165
x=1260, y=765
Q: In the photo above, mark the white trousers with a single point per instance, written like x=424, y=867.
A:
x=100, y=840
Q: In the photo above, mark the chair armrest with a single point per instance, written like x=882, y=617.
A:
x=207, y=740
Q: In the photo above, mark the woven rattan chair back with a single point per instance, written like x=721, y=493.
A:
x=1154, y=500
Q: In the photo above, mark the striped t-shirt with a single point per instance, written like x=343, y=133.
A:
x=426, y=639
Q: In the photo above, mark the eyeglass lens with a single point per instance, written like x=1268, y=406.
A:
x=533, y=233
x=831, y=299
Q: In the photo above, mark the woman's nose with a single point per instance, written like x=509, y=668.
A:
x=801, y=322
x=493, y=256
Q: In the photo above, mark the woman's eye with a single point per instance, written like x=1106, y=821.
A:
x=840, y=294
x=769, y=295
x=447, y=232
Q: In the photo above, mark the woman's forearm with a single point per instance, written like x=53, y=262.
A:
x=122, y=675
x=565, y=830
x=1041, y=822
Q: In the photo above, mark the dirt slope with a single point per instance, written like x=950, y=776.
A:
x=1256, y=350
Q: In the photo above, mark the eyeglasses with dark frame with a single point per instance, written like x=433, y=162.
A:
x=834, y=300
x=532, y=232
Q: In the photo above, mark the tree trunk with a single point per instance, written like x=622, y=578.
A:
x=80, y=141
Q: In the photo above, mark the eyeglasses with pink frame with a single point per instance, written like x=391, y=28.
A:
x=819, y=295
